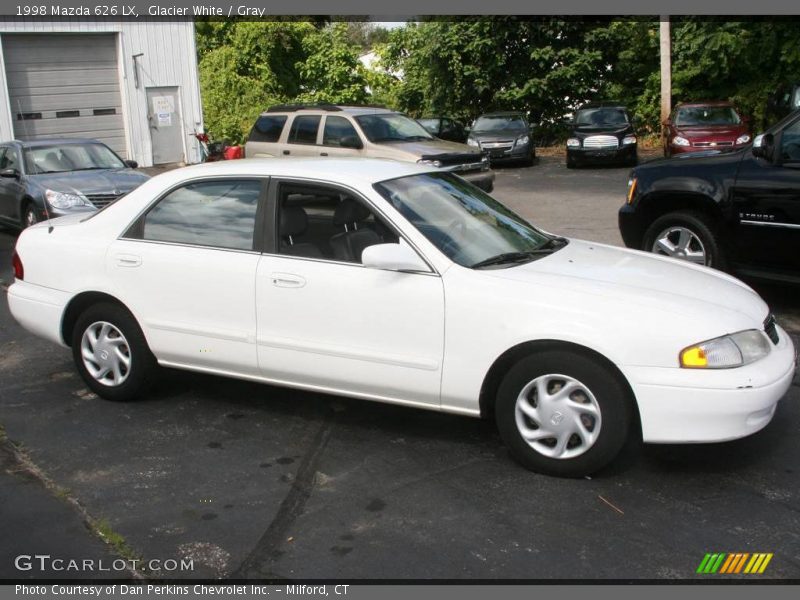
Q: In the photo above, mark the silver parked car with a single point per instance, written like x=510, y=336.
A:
x=49, y=178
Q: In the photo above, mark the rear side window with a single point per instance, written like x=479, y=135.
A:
x=267, y=128
x=219, y=214
x=304, y=130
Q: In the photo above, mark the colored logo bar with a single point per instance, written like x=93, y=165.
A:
x=734, y=563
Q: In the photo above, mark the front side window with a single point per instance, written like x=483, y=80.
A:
x=218, y=214
x=392, y=127
x=430, y=125
x=695, y=116
x=338, y=129
x=463, y=222
x=325, y=223
x=59, y=158
x=790, y=143
x=304, y=130
x=8, y=159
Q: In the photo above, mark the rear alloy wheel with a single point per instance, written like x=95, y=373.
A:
x=29, y=215
x=111, y=354
x=687, y=236
x=561, y=413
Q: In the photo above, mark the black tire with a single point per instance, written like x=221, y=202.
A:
x=571, y=163
x=612, y=397
x=700, y=225
x=143, y=366
x=28, y=215
x=632, y=161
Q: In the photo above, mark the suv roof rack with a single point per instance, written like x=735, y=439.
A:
x=303, y=106
x=320, y=106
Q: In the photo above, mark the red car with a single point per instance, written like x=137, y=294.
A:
x=697, y=126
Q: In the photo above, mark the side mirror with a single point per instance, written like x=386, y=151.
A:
x=764, y=146
x=351, y=141
x=132, y=164
x=392, y=257
x=10, y=173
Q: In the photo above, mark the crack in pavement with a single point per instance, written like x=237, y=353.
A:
x=258, y=562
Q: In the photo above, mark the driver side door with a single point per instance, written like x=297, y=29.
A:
x=767, y=200
x=326, y=322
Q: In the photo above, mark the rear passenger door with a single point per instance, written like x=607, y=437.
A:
x=186, y=269
x=302, y=140
x=264, y=137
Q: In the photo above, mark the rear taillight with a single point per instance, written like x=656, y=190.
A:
x=19, y=271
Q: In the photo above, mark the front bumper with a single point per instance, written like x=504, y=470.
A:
x=697, y=406
x=631, y=226
x=513, y=154
x=38, y=309
x=602, y=154
x=481, y=179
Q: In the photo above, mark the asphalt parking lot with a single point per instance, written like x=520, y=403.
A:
x=255, y=481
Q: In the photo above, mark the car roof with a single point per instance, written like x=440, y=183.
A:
x=592, y=105
x=55, y=140
x=709, y=103
x=343, y=171
x=503, y=113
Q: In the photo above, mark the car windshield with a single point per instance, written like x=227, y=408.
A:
x=466, y=224
x=430, y=125
x=500, y=123
x=601, y=117
x=59, y=158
x=706, y=115
x=392, y=127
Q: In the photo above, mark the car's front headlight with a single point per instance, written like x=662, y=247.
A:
x=628, y=140
x=743, y=139
x=573, y=143
x=473, y=142
x=65, y=200
x=734, y=350
x=522, y=140
x=680, y=141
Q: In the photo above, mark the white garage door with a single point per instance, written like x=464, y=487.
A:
x=64, y=85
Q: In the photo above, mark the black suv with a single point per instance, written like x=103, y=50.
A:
x=737, y=211
x=601, y=133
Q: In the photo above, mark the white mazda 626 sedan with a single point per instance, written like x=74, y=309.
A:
x=399, y=283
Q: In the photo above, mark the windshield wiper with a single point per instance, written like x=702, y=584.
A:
x=548, y=247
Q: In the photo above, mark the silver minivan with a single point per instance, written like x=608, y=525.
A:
x=336, y=131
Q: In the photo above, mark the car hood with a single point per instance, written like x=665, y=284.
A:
x=616, y=130
x=433, y=147
x=639, y=278
x=105, y=181
x=706, y=131
x=497, y=135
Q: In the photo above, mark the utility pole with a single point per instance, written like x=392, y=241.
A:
x=666, y=68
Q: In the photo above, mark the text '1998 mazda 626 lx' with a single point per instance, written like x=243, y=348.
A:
x=400, y=283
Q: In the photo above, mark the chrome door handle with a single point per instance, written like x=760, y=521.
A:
x=128, y=260
x=287, y=280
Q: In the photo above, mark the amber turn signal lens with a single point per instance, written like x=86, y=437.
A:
x=694, y=357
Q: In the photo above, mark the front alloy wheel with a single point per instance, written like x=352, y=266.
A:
x=680, y=242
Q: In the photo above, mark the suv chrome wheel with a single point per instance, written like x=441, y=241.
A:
x=558, y=416
x=106, y=353
x=680, y=242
